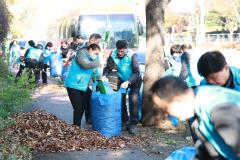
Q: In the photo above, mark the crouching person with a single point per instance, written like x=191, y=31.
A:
x=217, y=110
x=129, y=77
x=78, y=78
x=215, y=70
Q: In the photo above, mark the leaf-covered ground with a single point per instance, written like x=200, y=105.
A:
x=40, y=131
x=43, y=132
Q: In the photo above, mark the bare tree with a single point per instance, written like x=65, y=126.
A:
x=155, y=63
x=199, y=16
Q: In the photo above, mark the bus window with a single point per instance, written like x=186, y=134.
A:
x=89, y=24
x=123, y=26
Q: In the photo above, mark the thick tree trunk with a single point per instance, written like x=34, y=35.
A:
x=155, y=63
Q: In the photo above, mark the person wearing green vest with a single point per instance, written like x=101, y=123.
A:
x=78, y=78
x=34, y=60
x=214, y=68
x=94, y=38
x=129, y=77
x=46, y=53
x=217, y=111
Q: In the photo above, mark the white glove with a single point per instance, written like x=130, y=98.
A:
x=125, y=84
x=104, y=79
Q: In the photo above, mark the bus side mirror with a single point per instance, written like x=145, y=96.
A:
x=140, y=29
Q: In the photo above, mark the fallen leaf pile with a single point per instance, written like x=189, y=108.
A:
x=44, y=132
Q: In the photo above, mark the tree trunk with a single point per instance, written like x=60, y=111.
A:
x=4, y=20
x=155, y=63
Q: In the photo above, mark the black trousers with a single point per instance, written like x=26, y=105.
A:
x=44, y=73
x=34, y=66
x=78, y=101
x=88, y=107
x=134, y=100
x=21, y=68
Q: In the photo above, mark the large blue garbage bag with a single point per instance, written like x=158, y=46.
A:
x=106, y=112
x=56, y=65
x=184, y=153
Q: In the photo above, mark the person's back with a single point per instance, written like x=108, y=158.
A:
x=217, y=112
x=34, y=54
x=218, y=120
x=34, y=60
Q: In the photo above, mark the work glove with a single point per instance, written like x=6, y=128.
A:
x=104, y=79
x=125, y=84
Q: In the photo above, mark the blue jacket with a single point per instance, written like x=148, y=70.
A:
x=236, y=78
x=78, y=77
x=208, y=98
x=124, y=65
x=34, y=53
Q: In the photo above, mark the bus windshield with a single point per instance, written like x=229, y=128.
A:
x=121, y=26
x=89, y=24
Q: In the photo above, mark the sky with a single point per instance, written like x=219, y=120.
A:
x=183, y=6
x=49, y=10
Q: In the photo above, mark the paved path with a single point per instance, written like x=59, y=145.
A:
x=127, y=154
x=55, y=101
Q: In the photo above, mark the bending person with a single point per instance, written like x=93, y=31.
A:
x=217, y=110
x=78, y=78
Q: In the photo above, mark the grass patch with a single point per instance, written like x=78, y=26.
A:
x=170, y=142
x=13, y=96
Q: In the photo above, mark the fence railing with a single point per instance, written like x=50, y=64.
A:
x=209, y=38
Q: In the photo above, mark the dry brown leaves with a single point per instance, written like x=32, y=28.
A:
x=43, y=132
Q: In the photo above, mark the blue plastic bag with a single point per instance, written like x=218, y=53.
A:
x=174, y=120
x=56, y=65
x=106, y=112
x=184, y=153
